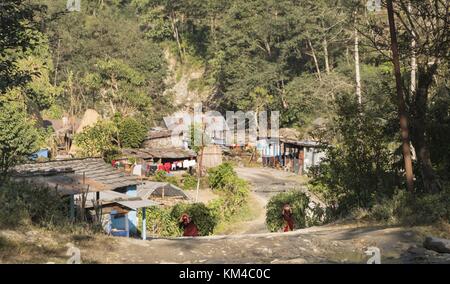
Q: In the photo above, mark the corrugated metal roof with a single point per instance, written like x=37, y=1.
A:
x=157, y=153
x=149, y=188
x=136, y=204
x=112, y=197
x=90, y=171
x=154, y=134
x=305, y=143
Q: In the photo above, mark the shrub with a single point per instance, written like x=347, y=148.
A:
x=220, y=176
x=233, y=191
x=97, y=140
x=189, y=182
x=417, y=209
x=55, y=111
x=201, y=215
x=130, y=132
x=162, y=176
x=412, y=208
x=23, y=203
x=304, y=216
x=18, y=136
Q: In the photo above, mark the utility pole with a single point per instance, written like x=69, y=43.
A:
x=400, y=99
x=199, y=168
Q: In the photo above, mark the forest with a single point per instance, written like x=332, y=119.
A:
x=369, y=79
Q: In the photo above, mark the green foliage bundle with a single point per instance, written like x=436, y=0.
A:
x=162, y=176
x=201, y=215
x=303, y=215
x=160, y=222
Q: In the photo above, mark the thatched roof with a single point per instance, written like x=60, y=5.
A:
x=90, y=118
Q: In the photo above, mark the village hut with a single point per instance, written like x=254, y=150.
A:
x=91, y=181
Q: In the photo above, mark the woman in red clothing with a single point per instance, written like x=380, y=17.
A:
x=288, y=218
x=190, y=229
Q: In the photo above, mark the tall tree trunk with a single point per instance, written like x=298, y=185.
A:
x=325, y=52
x=57, y=62
x=420, y=106
x=413, y=83
x=413, y=60
x=347, y=56
x=176, y=35
x=316, y=63
x=357, y=68
x=400, y=99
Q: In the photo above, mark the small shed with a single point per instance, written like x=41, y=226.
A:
x=92, y=177
x=116, y=209
x=295, y=156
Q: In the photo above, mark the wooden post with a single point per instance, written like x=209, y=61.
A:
x=199, y=172
x=301, y=161
x=72, y=207
x=127, y=226
x=144, y=224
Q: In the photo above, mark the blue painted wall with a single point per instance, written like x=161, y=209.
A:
x=43, y=153
x=119, y=224
x=132, y=215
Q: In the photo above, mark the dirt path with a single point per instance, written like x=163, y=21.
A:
x=268, y=182
x=326, y=244
x=336, y=243
x=265, y=182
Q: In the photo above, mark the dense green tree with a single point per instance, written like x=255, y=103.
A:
x=23, y=81
x=18, y=36
x=18, y=137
